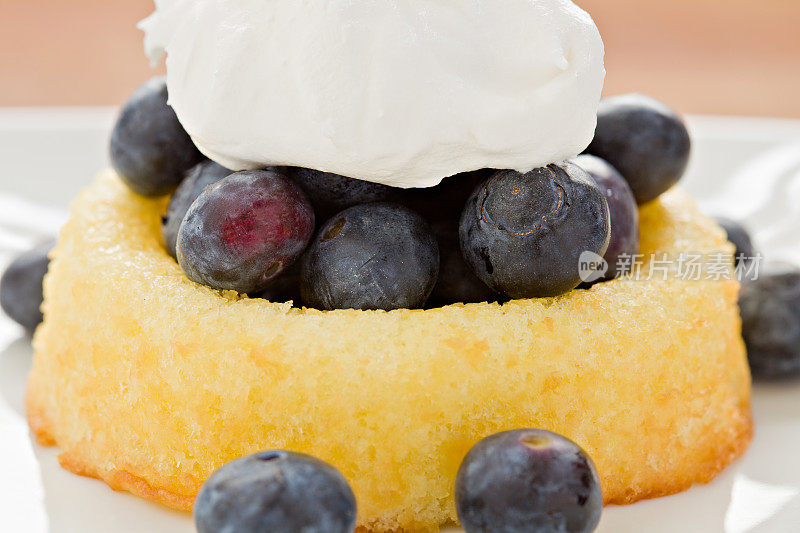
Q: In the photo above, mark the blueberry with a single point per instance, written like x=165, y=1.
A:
x=738, y=235
x=285, y=287
x=372, y=256
x=623, y=212
x=150, y=150
x=330, y=193
x=528, y=480
x=197, y=178
x=457, y=282
x=21, y=286
x=244, y=230
x=770, y=308
x=523, y=234
x=278, y=492
x=646, y=141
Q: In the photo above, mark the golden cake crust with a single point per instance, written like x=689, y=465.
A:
x=150, y=382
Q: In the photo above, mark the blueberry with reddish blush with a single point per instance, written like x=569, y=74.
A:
x=623, y=212
x=21, y=292
x=275, y=491
x=524, y=234
x=150, y=150
x=770, y=309
x=373, y=256
x=196, y=180
x=646, y=141
x=244, y=230
x=457, y=283
x=528, y=480
x=739, y=236
x=330, y=193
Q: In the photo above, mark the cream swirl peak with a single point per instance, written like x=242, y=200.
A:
x=402, y=92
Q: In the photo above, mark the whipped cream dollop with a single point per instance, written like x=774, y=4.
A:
x=401, y=92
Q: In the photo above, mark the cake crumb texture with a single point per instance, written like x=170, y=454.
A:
x=150, y=382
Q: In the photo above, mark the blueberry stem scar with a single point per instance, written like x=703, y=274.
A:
x=561, y=194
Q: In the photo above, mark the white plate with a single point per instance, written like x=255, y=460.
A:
x=745, y=168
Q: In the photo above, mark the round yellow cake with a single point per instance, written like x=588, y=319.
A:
x=150, y=382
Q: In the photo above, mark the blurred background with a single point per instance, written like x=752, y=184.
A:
x=729, y=57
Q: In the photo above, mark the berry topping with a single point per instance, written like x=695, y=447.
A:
x=372, y=256
x=276, y=491
x=770, y=308
x=284, y=288
x=150, y=150
x=444, y=202
x=457, y=282
x=646, y=141
x=197, y=178
x=622, y=210
x=528, y=480
x=738, y=235
x=244, y=230
x=331, y=193
x=523, y=234
x=21, y=286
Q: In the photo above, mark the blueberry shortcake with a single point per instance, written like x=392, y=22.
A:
x=344, y=243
